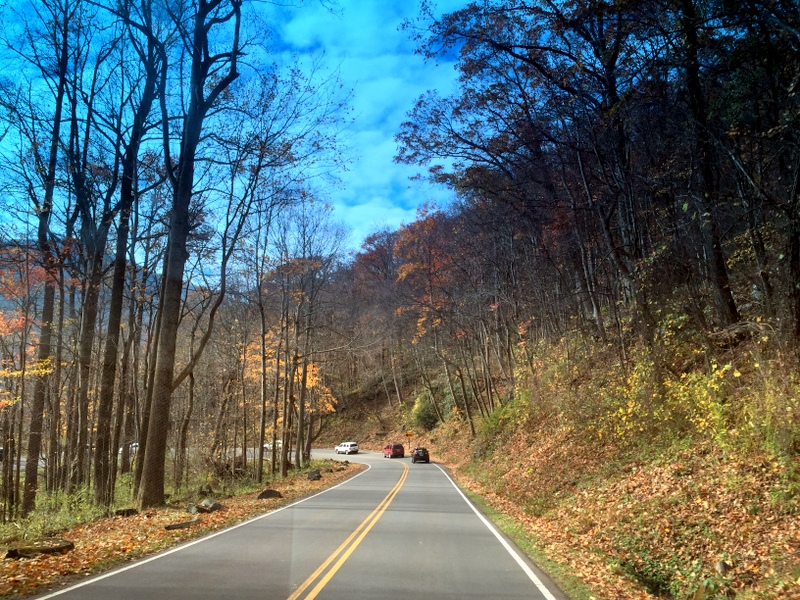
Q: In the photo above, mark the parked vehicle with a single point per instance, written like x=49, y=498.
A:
x=394, y=451
x=132, y=448
x=420, y=455
x=347, y=448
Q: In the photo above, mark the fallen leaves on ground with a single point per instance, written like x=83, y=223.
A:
x=650, y=529
x=106, y=542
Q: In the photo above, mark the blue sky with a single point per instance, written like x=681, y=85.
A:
x=377, y=61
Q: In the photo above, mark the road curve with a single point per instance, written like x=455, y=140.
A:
x=396, y=531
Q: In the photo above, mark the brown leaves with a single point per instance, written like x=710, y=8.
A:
x=635, y=530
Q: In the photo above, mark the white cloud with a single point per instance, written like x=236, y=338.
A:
x=377, y=60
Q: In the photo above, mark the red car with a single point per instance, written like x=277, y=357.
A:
x=394, y=451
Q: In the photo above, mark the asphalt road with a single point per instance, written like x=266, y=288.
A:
x=397, y=531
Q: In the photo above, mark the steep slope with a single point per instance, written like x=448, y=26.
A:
x=675, y=522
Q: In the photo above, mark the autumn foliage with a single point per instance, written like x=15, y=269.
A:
x=607, y=314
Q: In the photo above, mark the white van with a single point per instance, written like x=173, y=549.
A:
x=347, y=448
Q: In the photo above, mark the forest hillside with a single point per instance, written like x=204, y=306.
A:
x=600, y=331
x=619, y=491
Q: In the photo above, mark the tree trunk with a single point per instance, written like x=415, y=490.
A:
x=151, y=490
x=87, y=336
x=300, y=458
x=466, y=402
x=262, y=435
x=49, y=263
x=38, y=403
x=104, y=454
x=181, y=452
x=794, y=273
x=395, y=376
x=720, y=283
x=206, y=73
x=55, y=458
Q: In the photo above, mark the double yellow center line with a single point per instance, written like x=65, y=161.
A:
x=344, y=551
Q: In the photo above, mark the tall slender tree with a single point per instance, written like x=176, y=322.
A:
x=210, y=74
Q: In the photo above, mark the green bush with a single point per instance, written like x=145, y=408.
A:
x=423, y=413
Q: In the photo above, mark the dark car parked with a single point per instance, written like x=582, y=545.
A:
x=420, y=455
x=394, y=451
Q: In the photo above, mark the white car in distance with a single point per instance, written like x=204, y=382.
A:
x=347, y=448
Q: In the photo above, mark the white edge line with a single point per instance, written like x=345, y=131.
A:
x=205, y=538
x=514, y=554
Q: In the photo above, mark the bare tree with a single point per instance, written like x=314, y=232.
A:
x=211, y=74
x=139, y=101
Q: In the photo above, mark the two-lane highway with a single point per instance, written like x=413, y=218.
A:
x=397, y=530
